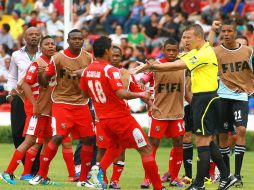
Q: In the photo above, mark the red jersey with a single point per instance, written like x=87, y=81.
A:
x=31, y=78
x=101, y=80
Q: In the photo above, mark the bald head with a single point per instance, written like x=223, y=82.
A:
x=32, y=36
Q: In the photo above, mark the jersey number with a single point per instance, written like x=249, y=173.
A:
x=180, y=126
x=98, y=94
x=238, y=115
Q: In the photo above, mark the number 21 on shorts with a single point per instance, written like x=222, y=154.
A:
x=97, y=91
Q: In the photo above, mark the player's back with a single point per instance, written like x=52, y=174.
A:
x=101, y=80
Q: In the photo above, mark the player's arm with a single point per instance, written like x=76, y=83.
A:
x=124, y=94
x=49, y=72
x=215, y=27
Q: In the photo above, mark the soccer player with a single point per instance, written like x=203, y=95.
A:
x=37, y=108
x=202, y=63
x=236, y=82
x=169, y=93
x=70, y=111
x=102, y=82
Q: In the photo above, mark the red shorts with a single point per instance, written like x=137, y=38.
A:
x=124, y=131
x=167, y=128
x=39, y=127
x=102, y=141
x=73, y=119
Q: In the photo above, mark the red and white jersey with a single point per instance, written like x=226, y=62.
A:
x=101, y=80
x=31, y=77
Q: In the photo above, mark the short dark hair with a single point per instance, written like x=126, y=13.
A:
x=6, y=27
x=171, y=41
x=230, y=22
x=6, y=48
x=116, y=47
x=198, y=30
x=101, y=45
x=140, y=49
x=44, y=38
x=243, y=37
x=73, y=31
x=250, y=28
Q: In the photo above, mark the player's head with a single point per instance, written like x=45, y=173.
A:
x=75, y=40
x=48, y=46
x=193, y=36
x=171, y=49
x=102, y=48
x=228, y=31
x=116, y=56
x=242, y=40
x=32, y=36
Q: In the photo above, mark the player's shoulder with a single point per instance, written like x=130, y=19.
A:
x=247, y=48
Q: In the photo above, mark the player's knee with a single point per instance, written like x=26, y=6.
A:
x=187, y=138
x=223, y=140
x=88, y=141
x=241, y=131
x=57, y=139
x=154, y=141
x=145, y=150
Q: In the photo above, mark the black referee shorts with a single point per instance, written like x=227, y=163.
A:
x=206, y=108
x=188, y=123
x=234, y=113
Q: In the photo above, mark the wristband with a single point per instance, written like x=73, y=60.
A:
x=142, y=94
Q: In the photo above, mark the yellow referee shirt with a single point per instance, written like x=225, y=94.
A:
x=204, y=68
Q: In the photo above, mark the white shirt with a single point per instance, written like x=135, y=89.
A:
x=116, y=39
x=53, y=27
x=20, y=62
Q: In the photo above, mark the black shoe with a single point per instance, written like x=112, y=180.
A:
x=226, y=183
x=239, y=182
x=194, y=187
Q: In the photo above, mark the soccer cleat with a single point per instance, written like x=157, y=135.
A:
x=97, y=177
x=239, y=182
x=36, y=180
x=47, y=181
x=8, y=178
x=73, y=179
x=114, y=185
x=87, y=184
x=176, y=183
x=208, y=181
x=193, y=187
x=26, y=177
x=226, y=183
x=186, y=180
x=146, y=184
x=165, y=177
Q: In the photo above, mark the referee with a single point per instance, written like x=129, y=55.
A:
x=20, y=61
x=202, y=63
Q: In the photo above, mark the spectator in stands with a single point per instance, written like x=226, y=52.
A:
x=117, y=13
x=117, y=36
x=81, y=7
x=175, y=6
x=127, y=54
x=59, y=7
x=139, y=54
x=59, y=38
x=152, y=6
x=233, y=6
x=44, y=8
x=24, y=7
x=16, y=24
x=249, y=33
x=4, y=65
x=191, y=7
x=135, y=37
x=124, y=44
x=182, y=21
x=54, y=24
x=251, y=19
x=20, y=42
x=242, y=40
x=88, y=42
x=137, y=13
x=5, y=36
x=76, y=22
x=150, y=31
x=34, y=19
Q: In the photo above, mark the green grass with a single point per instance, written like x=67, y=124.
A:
x=131, y=177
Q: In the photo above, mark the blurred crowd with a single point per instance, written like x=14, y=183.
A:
x=139, y=27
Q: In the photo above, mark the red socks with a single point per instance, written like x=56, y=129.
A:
x=154, y=149
x=212, y=168
x=151, y=170
x=30, y=157
x=117, y=171
x=49, y=154
x=86, y=159
x=69, y=161
x=175, y=161
x=16, y=159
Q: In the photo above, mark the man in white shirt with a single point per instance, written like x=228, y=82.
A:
x=54, y=24
x=20, y=61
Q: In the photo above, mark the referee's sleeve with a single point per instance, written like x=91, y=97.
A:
x=192, y=59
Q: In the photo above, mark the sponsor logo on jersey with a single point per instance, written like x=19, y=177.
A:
x=235, y=67
x=167, y=87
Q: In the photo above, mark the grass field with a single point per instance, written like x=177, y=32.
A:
x=131, y=177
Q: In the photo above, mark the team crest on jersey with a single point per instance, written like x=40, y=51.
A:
x=157, y=128
x=63, y=125
x=32, y=69
x=116, y=75
x=193, y=59
x=100, y=138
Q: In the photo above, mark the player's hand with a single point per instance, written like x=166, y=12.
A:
x=142, y=86
x=145, y=95
x=216, y=25
x=36, y=109
x=155, y=108
x=142, y=67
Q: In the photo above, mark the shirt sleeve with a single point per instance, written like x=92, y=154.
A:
x=134, y=87
x=192, y=59
x=51, y=68
x=13, y=75
x=31, y=74
x=114, y=79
